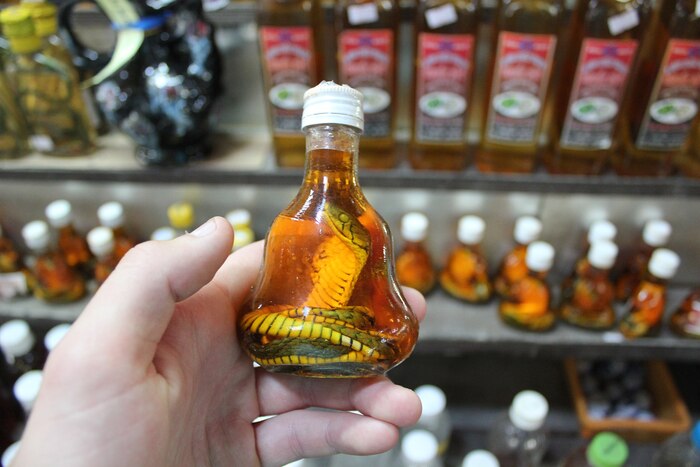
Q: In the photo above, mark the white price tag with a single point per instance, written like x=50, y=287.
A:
x=12, y=284
x=41, y=143
x=442, y=16
x=213, y=5
x=363, y=14
x=623, y=22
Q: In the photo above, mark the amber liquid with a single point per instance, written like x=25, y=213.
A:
x=55, y=280
x=104, y=267
x=414, y=267
x=122, y=242
x=466, y=274
x=74, y=248
x=689, y=163
x=686, y=320
x=646, y=309
x=633, y=273
x=10, y=260
x=512, y=270
x=587, y=301
x=527, y=305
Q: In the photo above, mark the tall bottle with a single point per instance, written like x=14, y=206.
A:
x=419, y=448
x=605, y=39
x=435, y=417
x=685, y=321
x=111, y=215
x=445, y=49
x=682, y=449
x=291, y=62
x=71, y=244
x=528, y=33
x=606, y=449
x=101, y=242
x=656, y=123
x=513, y=268
x=326, y=302
x=13, y=127
x=367, y=44
x=414, y=265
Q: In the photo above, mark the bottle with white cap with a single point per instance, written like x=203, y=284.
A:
x=102, y=243
x=518, y=437
x=13, y=274
x=414, y=265
x=181, y=216
x=655, y=234
x=466, y=272
x=685, y=321
x=111, y=215
x=26, y=389
x=646, y=306
x=587, y=301
x=600, y=230
x=435, y=417
x=71, y=244
x=55, y=335
x=480, y=458
x=419, y=448
x=527, y=305
x=329, y=253
x=513, y=268
x=240, y=220
x=20, y=347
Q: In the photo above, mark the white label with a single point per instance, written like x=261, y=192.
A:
x=362, y=14
x=442, y=16
x=12, y=284
x=623, y=22
x=41, y=143
x=213, y=5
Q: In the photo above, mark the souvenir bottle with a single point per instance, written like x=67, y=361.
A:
x=71, y=244
x=111, y=215
x=101, y=242
x=685, y=321
x=435, y=416
x=414, y=265
x=600, y=230
x=242, y=231
x=513, y=268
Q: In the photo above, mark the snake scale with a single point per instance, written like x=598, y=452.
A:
x=324, y=329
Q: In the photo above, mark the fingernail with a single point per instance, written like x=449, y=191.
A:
x=205, y=229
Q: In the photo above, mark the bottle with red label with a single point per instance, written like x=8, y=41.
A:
x=528, y=32
x=291, y=64
x=604, y=44
x=366, y=56
x=656, y=123
x=445, y=45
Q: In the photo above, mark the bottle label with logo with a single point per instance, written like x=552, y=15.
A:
x=366, y=62
x=601, y=79
x=442, y=84
x=520, y=79
x=288, y=58
x=674, y=101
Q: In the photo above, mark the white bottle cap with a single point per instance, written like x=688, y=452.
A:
x=164, y=233
x=16, y=338
x=419, y=446
x=10, y=453
x=414, y=227
x=664, y=263
x=470, y=230
x=432, y=399
x=59, y=213
x=101, y=241
x=36, y=235
x=601, y=230
x=333, y=103
x=55, y=335
x=656, y=233
x=539, y=256
x=527, y=230
x=528, y=410
x=480, y=458
x=602, y=254
x=238, y=217
x=26, y=388
x=111, y=214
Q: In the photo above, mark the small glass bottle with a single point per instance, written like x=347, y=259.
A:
x=101, y=242
x=326, y=302
x=22, y=351
x=26, y=389
x=14, y=277
x=55, y=335
x=528, y=303
x=655, y=234
x=513, y=268
x=414, y=265
x=600, y=230
x=685, y=321
x=111, y=215
x=480, y=458
x=518, y=437
x=588, y=301
x=647, y=303
x=466, y=273
x=181, y=217
x=419, y=448
x=682, y=449
x=435, y=417
x=71, y=244
x=606, y=449
x=242, y=232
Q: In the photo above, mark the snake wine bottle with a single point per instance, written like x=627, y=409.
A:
x=326, y=302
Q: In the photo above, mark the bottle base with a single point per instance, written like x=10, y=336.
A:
x=345, y=370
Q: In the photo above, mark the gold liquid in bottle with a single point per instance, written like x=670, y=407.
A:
x=685, y=321
x=71, y=244
x=102, y=243
x=513, y=267
x=326, y=302
x=111, y=215
x=414, y=265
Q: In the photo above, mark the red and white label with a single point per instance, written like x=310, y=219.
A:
x=366, y=62
x=445, y=63
x=520, y=79
x=288, y=56
x=674, y=101
x=601, y=79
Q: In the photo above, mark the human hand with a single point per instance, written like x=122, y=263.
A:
x=151, y=373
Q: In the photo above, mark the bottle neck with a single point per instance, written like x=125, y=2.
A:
x=331, y=156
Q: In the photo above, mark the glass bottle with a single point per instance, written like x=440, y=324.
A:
x=527, y=305
x=71, y=244
x=367, y=43
x=682, y=449
x=685, y=321
x=518, y=437
x=181, y=217
x=414, y=265
x=445, y=47
x=526, y=39
x=600, y=230
x=419, y=448
x=605, y=39
x=242, y=232
x=654, y=235
x=55, y=335
x=466, y=273
x=513, y=268
x=111, y=215
x=49, y=95
x=102, y=245
x=26, y=389
x=434, y=416
x=13, y=127
x=648, y=301
x=54, y=280
x=10, y=259
x=480, y=458
x=291, y=63
x=606, y=449
x=22, y=351
x=656, y=123
x=326, y=302
x=14, y=276
x=689, y=162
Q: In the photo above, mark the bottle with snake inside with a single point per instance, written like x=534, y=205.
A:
x=327, y=302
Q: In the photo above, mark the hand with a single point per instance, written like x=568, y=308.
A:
x=152, y=374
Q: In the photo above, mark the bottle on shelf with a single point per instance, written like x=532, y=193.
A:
x=14, y=276
x=444, y=46
x=648, y=301
x=518, y=437
x=13, y=127
x=26, y=389
x=111, y=215
x=656, y=124
x=367, y=44
x=181, y=217
x=414, y=265
x=22, y=351
x=685, y=321
x=480, y=458
x=242, y=232
x=587, y=302
x=654, y=235
x=606, y=449
x=600, y=230
x=528, y=302
x=527, y=36
x=604, y=40
x=466, y=273
x=419, y=448
x=435, y=417
x=513, y=268
x=10, y=259
x=55, y=335
x=102, y=245
x=53, y=280
x=326, y=302
x=689, y=162
x=71, y=244
x=682, y=449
